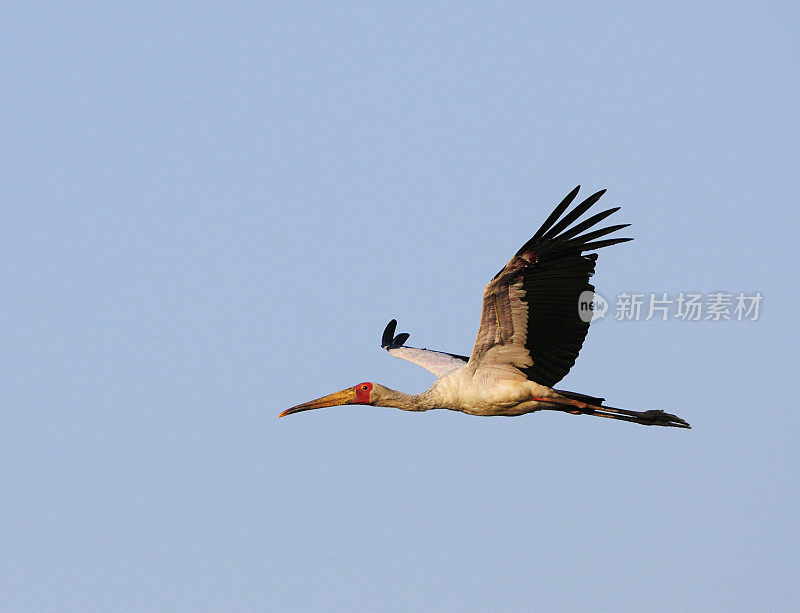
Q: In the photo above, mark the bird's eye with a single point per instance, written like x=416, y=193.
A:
x=363, y=387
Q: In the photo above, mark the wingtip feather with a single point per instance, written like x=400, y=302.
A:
x=557, y=212
x=388, y=333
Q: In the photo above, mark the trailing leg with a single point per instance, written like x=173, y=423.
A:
x=653, y=417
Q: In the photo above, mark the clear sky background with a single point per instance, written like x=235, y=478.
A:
x=209, y=213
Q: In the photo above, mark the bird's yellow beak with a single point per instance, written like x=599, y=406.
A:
x=347, y=396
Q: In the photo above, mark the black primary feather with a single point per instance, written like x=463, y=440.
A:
x=556, y=213
x=400, y=339
x=388, y=333
x=573, y=215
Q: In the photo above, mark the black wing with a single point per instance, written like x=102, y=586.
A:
x=530, y=326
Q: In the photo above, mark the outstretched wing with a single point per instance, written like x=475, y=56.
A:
x=438, y=362
x=530, y=326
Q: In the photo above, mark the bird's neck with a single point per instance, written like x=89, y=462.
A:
x=406, y=402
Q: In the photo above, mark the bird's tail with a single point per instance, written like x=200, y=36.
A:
x=580, y=404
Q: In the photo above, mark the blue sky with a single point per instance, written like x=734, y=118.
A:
x=211, y=211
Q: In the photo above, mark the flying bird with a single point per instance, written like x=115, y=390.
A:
x=530, y=333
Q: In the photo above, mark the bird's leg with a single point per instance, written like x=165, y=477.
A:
x=647, y=418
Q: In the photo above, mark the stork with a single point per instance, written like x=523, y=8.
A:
x=530, y=333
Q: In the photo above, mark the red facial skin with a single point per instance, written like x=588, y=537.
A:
x=362, y=392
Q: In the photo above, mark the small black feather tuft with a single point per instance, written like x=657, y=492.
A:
x=389, y=340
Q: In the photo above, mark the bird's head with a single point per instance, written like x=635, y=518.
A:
x=363, y=393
